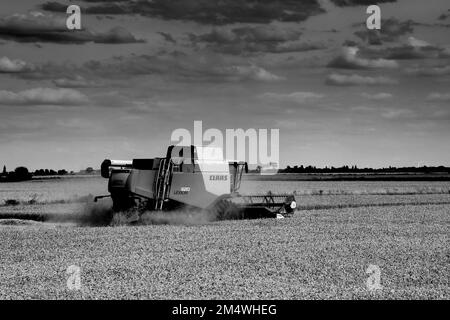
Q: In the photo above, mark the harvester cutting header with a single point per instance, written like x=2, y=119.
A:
x=189, y=178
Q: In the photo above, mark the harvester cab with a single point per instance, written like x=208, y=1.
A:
x=189, y=177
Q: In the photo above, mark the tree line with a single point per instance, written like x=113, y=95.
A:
x=19, y=174
x=50, y=172
x=23, y=174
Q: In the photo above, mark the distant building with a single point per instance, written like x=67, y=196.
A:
x=3, y=175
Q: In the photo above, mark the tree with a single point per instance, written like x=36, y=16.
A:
x=21, y=174
x=4, y=171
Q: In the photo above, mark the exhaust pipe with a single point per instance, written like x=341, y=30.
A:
x=107, y=164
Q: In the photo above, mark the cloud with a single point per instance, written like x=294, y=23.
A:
x=357, y=80
x=239, y=73
x=429, y=71
x=294, y=97
x=13, y=66
x=345, y=3
x=412, y=49
x=444, y=15
x=52, y=71
x=213, y=12
x=115, y=35
x=439, y=97
x=394, y=114
x=270, y=33
x=174, y=65
x=111, y=8
x=168, y=37
x=77, y=82
x=254, y=39
x=39, y=27
x=180, y=66
x=417, y=43
x=377, y=96
x=349, y=59
x=297, y=46
x=152, y=105
x=43, y=96
x=392, y=29
x=407, y=53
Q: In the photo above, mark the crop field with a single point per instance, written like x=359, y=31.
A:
x=322, y=252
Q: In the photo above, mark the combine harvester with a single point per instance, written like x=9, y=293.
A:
x=189, y=178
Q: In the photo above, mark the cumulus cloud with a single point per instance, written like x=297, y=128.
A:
x=270, y=33
x=377, y=96
x=349, y=59
x=297, y=46
x=254, y=39
x=414, y=53
x=415, y=49
x=206, y=11
x=357, y=80
x=417, y=43
x=77, y=82
x=43, y=96
x=439, y=96
x=39, y=27
x=115, y=35
x=294, y=97
x=391, y=31
x=13, y=66
x=429, y=71
x=152, y=105
x=105, y=7
x=411, y=49
x=182, y=67
x=345, y=3
x=244, y=72
x=399, y=114
x=175, y=65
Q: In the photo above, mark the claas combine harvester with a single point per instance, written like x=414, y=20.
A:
x=189, y=178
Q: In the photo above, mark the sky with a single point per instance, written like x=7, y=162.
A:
x=340, y=94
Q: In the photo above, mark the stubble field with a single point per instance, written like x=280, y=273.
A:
x=322, y=252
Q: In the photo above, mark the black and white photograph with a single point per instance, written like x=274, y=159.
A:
x=236, y=151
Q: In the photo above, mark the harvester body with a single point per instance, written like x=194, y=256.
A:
x=189, y=177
